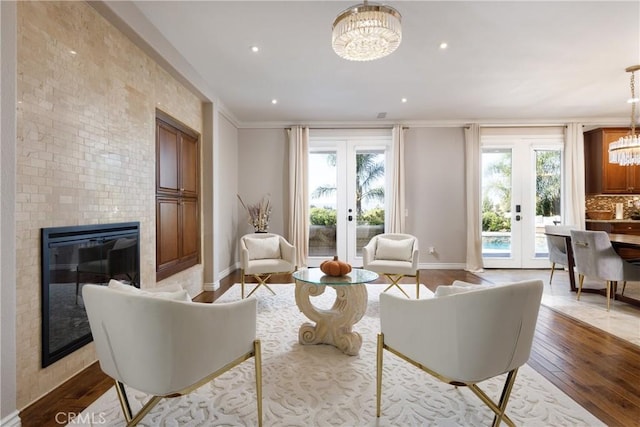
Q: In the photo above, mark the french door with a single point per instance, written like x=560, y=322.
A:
x=521, y=193
x=348, y=182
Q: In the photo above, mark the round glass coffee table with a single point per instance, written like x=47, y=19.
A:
x=333, y=326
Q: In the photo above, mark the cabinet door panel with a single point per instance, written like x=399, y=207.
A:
x=167, y=169
x=615, y=178
x=168, y=243
x=190, y=228
x=602, y=177
x=189, y=165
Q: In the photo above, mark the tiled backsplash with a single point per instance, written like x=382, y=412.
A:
x=608, y=203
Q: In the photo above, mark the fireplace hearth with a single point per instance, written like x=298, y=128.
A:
x=71, y=257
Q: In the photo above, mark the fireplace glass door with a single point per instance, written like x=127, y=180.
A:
x=71, y=258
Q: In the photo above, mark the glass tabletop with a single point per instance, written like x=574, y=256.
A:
x=317, y=277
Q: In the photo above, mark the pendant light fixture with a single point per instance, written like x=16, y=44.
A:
x=366, y=31
x=626, y=150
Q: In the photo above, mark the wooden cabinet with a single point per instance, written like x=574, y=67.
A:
x=177, y=197
x=618, y=227
x=602, y=177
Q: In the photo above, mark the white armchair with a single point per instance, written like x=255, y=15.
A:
x=165, y=346
x=395, y=256
x=463, y=338
x=263, y=255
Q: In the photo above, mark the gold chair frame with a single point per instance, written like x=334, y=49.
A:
x=498, y=408
x=262, y=280
x=133, y=420
x=395, y=279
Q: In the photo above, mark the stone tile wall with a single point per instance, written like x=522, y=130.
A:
x=85, y=153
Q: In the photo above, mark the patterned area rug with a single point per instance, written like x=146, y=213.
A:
x=320, y=386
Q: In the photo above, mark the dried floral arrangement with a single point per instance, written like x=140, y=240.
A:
x=259, y=213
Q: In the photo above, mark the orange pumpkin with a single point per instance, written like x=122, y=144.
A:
x=335, y=267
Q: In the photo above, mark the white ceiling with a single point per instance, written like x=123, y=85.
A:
x=507, y=61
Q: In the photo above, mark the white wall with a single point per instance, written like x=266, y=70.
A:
x=8, y=62
x=263, y=160
x=435, y=197
x=227, y=211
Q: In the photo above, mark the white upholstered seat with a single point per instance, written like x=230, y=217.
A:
x=263, y=255
x=162, y=345
x=394, y=255
x=463, y=338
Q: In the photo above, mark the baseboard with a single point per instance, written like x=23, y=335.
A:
x=11, y=420
x=442, y=266
x=224, y=273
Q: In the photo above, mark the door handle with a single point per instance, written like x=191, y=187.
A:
x=518, y=218
x=350, y=218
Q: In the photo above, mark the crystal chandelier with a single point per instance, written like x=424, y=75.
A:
x=366, y=31
x=626, y=150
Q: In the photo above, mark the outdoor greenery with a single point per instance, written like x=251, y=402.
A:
x=373, y=216
x=496, y=204
x=369, y=169
x=548, y=183
x=493, y=218
x=328, y=216
x=323, y=216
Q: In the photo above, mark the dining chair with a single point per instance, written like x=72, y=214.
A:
x=595, y=257
x=263, y=255
x=394, y=255
x=464, y=337
x=557, y=246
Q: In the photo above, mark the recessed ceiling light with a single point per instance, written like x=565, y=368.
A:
x=274, y=101
x=255, y=49
x=404, y=100
x=443, y=45
x=72, y=52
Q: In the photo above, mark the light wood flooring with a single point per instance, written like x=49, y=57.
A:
x=596, y=369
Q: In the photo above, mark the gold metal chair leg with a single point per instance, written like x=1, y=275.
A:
x=261, y=282
x=379, y=373
x=124, y=401
x=144, y=411
x=553, y=268
x=394, y=278
x=500, y=408
x=608, y=294
x=258, y=366
x=126, y=408
x=242, y=283
x=580, y=282
x=418, y=284
x=624, y=286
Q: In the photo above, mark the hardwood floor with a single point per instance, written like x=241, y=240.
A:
x=598, y=370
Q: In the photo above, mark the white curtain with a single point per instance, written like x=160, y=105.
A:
x=473, y=179
x=574, y=175
x=396, y=222
x=299, y=192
